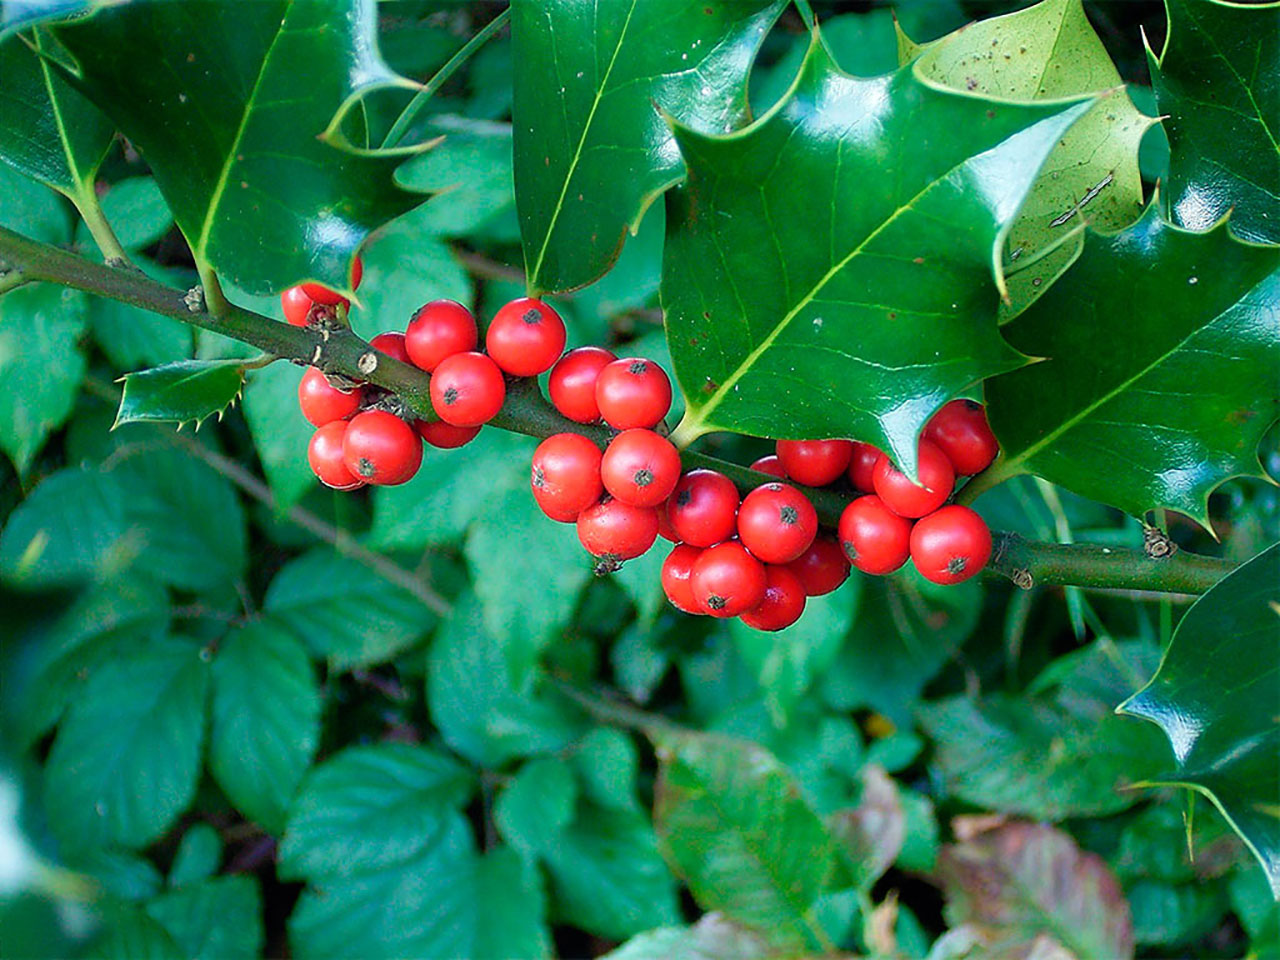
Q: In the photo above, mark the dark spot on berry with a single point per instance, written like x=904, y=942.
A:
x=531, y=317
x=638, y=367
x=849, y=550
x=683, y=497
x=609, y=563
x=642, y=478
x=450, y=396
x=365, y=467
x=716, y=602
x=539, y=478
x=789, y=515
x=956, y=565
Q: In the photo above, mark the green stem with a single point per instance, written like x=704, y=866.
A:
x=410, y=113
x=338, y=350
x=86, y=202
x=12, y=280
x=215, y=301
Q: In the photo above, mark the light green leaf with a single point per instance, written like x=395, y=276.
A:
x=536, y=806
x=345, y=611
x=138, y=720
x=216, y=919
x=198, y=855
x=266, y=720
x=711, y=938
x=1214, y=697
x=137, y=212
x=179, y=392
x=280, y=432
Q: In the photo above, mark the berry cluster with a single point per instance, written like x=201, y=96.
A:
x=365, y=435
x=761, y=556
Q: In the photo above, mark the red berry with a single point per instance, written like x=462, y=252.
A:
x=640, y=468
x=665, y=529
x=444, y=435
x=676, y=570
x=296, y=305
x=815, y=463
x=961, y=430
x=950, y=545
x=862, y=465
x=770, y=465
x=703, y=509
x=875, y=538
x=727, y=580
x=440, y=329
x=783, y=602
x=322, y=402
x=381, y=448
x=777, y=523
x=566, y=476
x=467, y=389
x=633, y=392
x=572, y=383
x=392, y=344
x=821, y=568
x=322, y=294
x=616, y=531
x=525, y=338
x=906, y=499
x=324, y=453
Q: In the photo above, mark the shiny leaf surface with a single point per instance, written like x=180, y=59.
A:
x=1162, y=384
x=862, y=321
x=1215, y=698
x=1217, y=80
x=592, y=148
x=234, y=149
x=180, y=392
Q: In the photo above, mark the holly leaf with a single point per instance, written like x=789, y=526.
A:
x=226, y=101
x=180, y=392
x=1118, y=412
x=1215, y=698
x=861, y=323
x=48, y=129
x=1216, y=79
x=1048, y=51
x=18, y=14
x=732, y=822
x=1026, y=890
x=711, y=938
x=592, y=150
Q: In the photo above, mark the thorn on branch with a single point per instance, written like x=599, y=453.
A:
x=1156, y=544
x=194, y=299
x=1022, y=578
x=367, y=362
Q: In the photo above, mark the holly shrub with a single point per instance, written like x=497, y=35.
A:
x=837, y=256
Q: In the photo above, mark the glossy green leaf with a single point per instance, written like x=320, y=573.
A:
x=17, y=14
x=41, y=365
x=180, y=392
x=48, y=130
x=220, y=917
x=1050, y=755
x=1217, y=81
x=345, y=611
x=469, y=175
x=1027, y=890
x=732, y=823
x=266, y=720
x=1042, y=52
x=368, y=808
x=862, y=323
x=1162, y=384
x=138, y=720
x=592, y=149
x=226, y=101
x=198, y=855
x=711, y=938
x=474, y=701
x=1214, y=697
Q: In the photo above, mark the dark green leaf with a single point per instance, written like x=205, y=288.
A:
x=1163, y=383
x=131, y=337
x=475, y=703
x=536, y=806
x=31, y=209
x=125, y=875
x=345, y=611
x=711, y=938
x=132, y=935
x=280, y=432
x=266, y=720
x=41, y=365
x=607, y=876
x=1216, y=79
x=1214, y=697
x=1165, y=913
x=197, y=857
x=1051, y=756
x=470, y=175
x=864, y=322
x=592, y=149
x=181, y=391
x=138, y=720
x=1042, y=52
x=217, y=919
x=732, y=823
x=226, y=101
x=48, y=130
